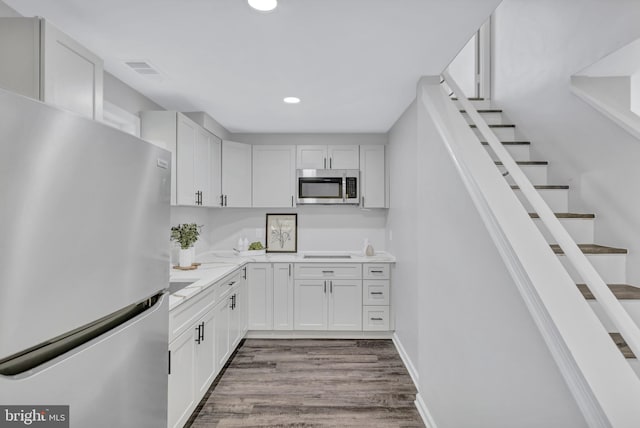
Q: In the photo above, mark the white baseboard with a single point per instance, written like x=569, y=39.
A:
x=298, y=334
x=406, y=360
x=424, y=412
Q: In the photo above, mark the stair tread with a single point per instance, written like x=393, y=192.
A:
x=592, y=249
x=622, y=345
x=469, y=98
x=527, y=163
x=545, y=187
x=498, y=125
x=566, y=215
x=510, y=143
x=485, y=110
x=621, y=291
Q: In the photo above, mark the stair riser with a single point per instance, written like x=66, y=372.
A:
x=580, y=229
x=631, y=306
x=557, y=199
x=537, y=174
x=611, y=267
x=490, y=118
x=518, y=152
x=484, y=104
x=503, y=134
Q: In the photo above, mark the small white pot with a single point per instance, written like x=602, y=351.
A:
x=186, y=257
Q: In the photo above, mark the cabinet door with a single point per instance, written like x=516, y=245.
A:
x=72, y=76
x=310, y=307
x=312, y=157
x=372, y=176
x=222, y=314
x=187, y=132
x=282, y=296
x=235, y=332
x=181, y=379
x=202, y=165
x=215, y=175
x=345, y=305
x=205, y=359
x=236, y=174
x=274, y=170
x=260, y=285
x=343, y=157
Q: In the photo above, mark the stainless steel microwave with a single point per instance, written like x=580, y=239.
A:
x=328, y=186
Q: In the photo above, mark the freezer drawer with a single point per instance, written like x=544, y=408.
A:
x=118, y=379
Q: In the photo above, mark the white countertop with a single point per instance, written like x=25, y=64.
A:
x=216, y=265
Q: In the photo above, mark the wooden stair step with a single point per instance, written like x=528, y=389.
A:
x=592, y=249
x=485, y=110
x=545, y=187
x=621, y=291
x=622, y=345
x=499, y=125
x=566, y=215
x=527, y=163
x=510, y=143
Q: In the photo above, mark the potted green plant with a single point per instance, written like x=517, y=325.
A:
x=186, y=235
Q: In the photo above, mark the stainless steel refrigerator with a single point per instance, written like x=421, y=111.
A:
x=84, y=266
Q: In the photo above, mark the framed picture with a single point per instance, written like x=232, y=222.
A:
x=282, y=233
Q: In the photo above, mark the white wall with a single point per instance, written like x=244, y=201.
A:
x=538, y=46
x=463, y=68
x=402, y=221
x=635, y=93
x=7, y=11
x=320, y=228
x=310, y=138
x=124, y=96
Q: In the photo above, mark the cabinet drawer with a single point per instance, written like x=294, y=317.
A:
x=226, y=284
x=375, y=292
x=375, y=318
x=375, y=271
x=187, y=313
x=334, y=271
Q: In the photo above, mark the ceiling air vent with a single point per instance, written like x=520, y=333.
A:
x=142, y=67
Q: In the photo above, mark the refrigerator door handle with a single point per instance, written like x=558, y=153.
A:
x=47, y=351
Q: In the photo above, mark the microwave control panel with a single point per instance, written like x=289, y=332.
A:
x=352, y=188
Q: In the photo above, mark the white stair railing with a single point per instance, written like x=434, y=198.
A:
x=602, y=293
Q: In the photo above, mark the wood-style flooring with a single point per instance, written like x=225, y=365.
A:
x=311, y=383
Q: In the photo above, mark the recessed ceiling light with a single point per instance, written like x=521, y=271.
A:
x=263, y=5
x=291, y=100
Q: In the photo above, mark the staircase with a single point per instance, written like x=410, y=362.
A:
x=610, y=262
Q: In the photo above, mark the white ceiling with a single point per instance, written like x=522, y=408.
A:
x=354, y=63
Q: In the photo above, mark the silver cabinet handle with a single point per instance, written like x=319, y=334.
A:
x=376, y=292
x=327, y=271
x=325, y=287
x=325, y=163
x=331, y=286
x=291, y=200
x=376, y=271
x=289, y=270
x=376, y=319
x=330, y=162
x=363, y=201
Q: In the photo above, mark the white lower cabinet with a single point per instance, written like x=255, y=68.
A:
x=328, y=304
x=270, y=296
x=375, y=318
x=182, y=389
x=204, y=331
x=283, y=296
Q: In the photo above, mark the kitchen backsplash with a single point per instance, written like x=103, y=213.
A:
x=320, y=228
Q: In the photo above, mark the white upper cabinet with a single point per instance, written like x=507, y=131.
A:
x=373, y=177
x=42, y=62
x=343, y=157
x=274, y=175
x=195, y=156
x=328, y=157
x=236, y=174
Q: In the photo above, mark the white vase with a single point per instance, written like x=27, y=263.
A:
x=186, y=257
